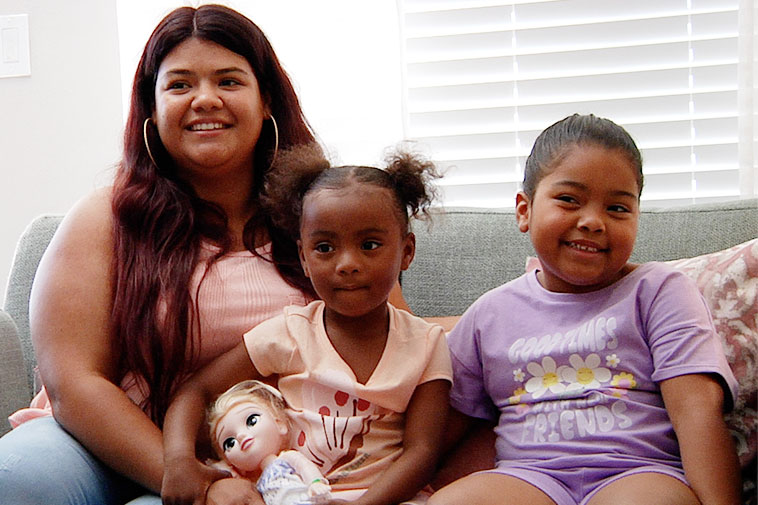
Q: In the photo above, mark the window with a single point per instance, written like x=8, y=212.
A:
x=483, y=78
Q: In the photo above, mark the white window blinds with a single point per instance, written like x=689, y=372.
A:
x=482, y=78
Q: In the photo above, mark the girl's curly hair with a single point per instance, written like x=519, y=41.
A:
x=304, y=169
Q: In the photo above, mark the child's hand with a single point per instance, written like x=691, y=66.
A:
x=186, y=480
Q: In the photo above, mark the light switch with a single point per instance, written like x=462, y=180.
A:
x=10, y=39
x=15, y=58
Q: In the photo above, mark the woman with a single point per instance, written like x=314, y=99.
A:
x=146, y=281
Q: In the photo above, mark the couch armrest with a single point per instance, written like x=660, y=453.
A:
x=14, y=386
x=29, y=250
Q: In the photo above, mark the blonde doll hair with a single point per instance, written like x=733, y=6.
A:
x=246, y=391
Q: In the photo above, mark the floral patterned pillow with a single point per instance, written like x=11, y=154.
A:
x=728, y=280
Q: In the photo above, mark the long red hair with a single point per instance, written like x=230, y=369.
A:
x=160, y=222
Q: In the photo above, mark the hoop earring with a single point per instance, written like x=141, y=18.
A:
x=276, y=141
x=147, y=144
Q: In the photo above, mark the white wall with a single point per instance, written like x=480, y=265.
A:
x=60, y=129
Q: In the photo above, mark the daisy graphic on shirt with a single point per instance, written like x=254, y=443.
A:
x=584, y=373
x=544, y=377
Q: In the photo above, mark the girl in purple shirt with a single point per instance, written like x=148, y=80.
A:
x=605, y=379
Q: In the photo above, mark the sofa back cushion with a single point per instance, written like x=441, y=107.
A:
x=465, y=252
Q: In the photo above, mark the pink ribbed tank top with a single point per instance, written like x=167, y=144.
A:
x=239, y=291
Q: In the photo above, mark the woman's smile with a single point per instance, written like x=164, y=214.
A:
x=204, y=126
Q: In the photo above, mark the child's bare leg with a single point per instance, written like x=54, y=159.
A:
x=489, y=488
x=648, y=488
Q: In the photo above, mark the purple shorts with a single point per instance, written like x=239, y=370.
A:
x=577, y=486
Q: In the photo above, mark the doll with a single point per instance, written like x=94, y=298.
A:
x=249, y=430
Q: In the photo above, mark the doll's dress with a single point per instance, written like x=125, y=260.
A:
x=279, y=484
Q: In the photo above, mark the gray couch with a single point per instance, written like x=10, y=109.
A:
x=461, y=255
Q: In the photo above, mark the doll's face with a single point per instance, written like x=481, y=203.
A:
x=247, y=434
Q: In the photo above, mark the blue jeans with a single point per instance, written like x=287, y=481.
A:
x=41, y=463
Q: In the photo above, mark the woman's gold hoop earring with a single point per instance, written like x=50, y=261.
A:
x=147, y=144
x=276, y=141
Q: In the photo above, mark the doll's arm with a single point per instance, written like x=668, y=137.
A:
x=185, y=479
x=309, y=472
x=695, y=405
x=422, y=441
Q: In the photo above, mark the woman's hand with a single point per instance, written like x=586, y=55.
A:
x=186, y=481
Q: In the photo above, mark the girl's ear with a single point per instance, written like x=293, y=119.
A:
x=523, y=209
x=302, y=259
x=409, y=251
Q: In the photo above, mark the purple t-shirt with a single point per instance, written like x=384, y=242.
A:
x=569, y=376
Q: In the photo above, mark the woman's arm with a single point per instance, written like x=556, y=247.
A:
x=422, y=441
x=69, y=312
x=186, y=480
x=695, y=405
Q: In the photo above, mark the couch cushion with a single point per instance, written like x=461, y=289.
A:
x=468, y=251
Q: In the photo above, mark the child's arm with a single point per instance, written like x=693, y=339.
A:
x=185, y=479
x=468, y=446
x=695, y=405
x=422, y=441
